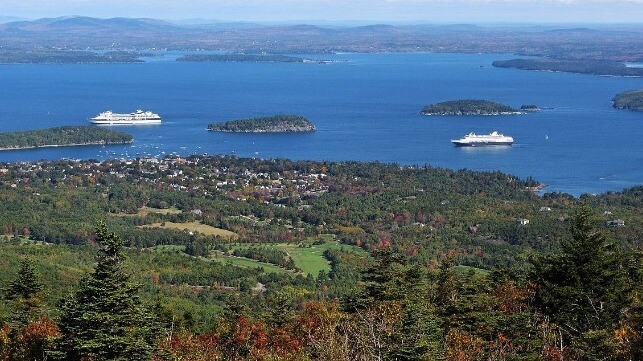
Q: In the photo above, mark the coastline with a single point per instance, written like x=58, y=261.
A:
x=65, y=145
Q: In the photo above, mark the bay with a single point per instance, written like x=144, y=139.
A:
x=365, y=106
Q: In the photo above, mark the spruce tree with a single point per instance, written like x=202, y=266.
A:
x=23, y=292
x=584, y=288
x=104, y=318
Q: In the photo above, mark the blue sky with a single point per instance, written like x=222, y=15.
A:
x=430, y=11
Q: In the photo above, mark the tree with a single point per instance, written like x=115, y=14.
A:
x=29, y=333
x=584, y=289
x=23, y=291
x=104, y=319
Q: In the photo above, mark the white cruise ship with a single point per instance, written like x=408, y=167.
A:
x=475, y=140
x=137, y=117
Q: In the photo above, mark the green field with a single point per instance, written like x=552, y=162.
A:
x=247, y=263
x=307, y=256
x=196, y=227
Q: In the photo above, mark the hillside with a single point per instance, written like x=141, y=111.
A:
x=610, y=43
x=240, y=254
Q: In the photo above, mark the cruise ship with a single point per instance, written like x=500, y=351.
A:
x=137, y=117
x=475, y=140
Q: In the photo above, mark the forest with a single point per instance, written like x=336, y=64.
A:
x=596, y=67
x=225, y=258
x=630, y=100
x=468, y=107
x=62, y=136
x=273, y=124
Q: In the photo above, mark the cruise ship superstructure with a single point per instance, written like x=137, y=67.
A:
x=480, y=140
x=135, y=118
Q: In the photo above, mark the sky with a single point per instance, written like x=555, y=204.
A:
x=391, y=11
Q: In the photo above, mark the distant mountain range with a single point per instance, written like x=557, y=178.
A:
x=617, y=43
x=82, y=23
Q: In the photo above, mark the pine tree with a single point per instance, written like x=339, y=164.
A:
x=104, y=319
x=583, y=289
x=23, y=292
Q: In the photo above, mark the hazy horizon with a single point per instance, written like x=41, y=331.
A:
x=355, y=11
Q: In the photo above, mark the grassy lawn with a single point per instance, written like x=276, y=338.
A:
x=307, y=256
x=145, y=210
x=310, y=258
x=196, y=227
x=247, y=263
x=220, y=257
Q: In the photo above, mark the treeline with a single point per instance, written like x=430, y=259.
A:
x=595, y=67
x=267, y=255
x=49, y=56
x=272, y=124
x=61, y=136
x=546, y=309
x=630, y=100
x=237, y=57
x=467, y=107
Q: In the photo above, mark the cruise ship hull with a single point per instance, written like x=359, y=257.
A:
x=138, y=117
x=479, y=144
x=124, y=122
x=483, y=140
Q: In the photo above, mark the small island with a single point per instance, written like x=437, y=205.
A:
x=239, y=57
x=630, y=100
x=273, y=124
x=61, y=137
x=468, y=107
x=529, y=108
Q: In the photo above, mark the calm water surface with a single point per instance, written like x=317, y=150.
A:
x=365, y=108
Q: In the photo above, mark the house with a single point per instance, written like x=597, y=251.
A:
x=545, y=209
x=523, y=221
x=616, y=223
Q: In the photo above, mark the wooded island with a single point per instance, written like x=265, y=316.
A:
x=272, y=124
x=630, y=100
x=62, y=136
x=468, y=107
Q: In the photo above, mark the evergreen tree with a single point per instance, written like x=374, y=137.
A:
x=104, y=319
x=392, y=282
x=23, y=291
x=385, y=280
x=584, y=289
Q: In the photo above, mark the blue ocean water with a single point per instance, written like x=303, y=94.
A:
x=365, y=107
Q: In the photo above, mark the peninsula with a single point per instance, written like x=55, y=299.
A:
x=62, y=136
x=468, y=107
x=239, y=57
x=272, y=124
x=630, y=100
x=594, y=67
